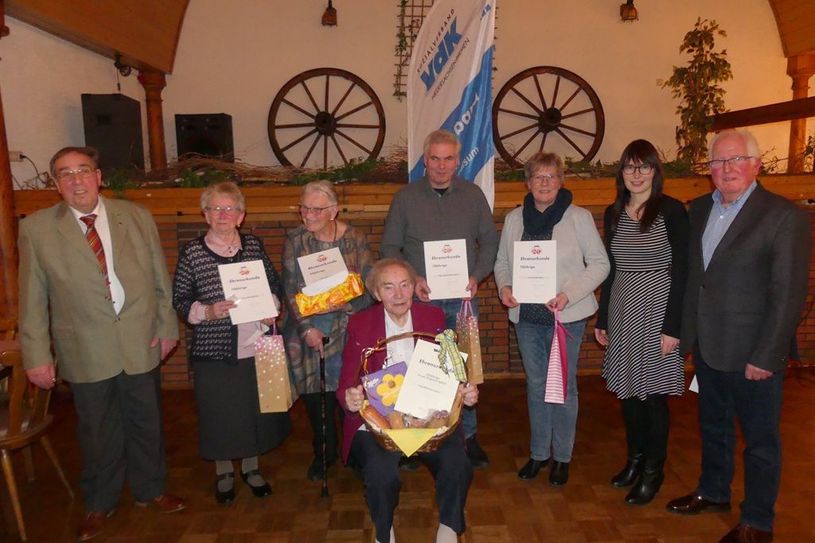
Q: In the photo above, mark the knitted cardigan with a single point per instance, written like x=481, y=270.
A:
x=197, y=280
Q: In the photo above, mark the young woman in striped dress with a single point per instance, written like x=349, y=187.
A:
x=646, y=234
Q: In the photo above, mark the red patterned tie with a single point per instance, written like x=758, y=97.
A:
x=96, y=245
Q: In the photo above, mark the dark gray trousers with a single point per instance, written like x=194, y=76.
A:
x=120, y=435
x=380, y=470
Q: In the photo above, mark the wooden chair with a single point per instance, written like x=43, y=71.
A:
x=24, y=421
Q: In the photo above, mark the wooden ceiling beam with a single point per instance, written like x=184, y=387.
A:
x=144, y=32
x=773, y=113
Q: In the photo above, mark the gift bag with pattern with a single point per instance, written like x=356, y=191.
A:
x=557, y=373
x=271, y=366
x=469, y=341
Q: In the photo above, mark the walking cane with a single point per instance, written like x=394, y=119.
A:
x=324, y=491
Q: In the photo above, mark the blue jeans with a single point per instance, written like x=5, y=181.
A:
x=469, y=421
x=723, y=397
x=552, y=425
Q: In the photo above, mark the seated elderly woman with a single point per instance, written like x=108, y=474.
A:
x=391, y=281
x=230, y=424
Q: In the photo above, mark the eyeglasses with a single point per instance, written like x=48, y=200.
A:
x=82, y=172
x=305, y=210
x=223, y=209
x=718, y=164
x=544, y=178
x=642, y=169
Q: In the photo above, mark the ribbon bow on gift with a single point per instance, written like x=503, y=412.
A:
x=449, y=354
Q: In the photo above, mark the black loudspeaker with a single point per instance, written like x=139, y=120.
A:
x=113, y=126
x=208, y=134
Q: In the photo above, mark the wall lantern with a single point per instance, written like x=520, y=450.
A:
x=330, y=15
x=627, y=12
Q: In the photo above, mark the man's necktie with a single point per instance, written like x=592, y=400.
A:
x=96, y=245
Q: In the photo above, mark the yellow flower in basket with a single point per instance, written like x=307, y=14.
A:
x=332, y=298
x=389, y=388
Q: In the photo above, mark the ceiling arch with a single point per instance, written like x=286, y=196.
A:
x=145, y=32
x=796, y=25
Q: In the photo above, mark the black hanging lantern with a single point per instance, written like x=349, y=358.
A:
x=330, y=15
x=628, y=13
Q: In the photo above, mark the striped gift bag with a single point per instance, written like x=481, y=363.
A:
x=558, y=365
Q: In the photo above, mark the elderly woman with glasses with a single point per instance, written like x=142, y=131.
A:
x=230, y=424
x=640, y=313
x=321, y=335
x=581, y=265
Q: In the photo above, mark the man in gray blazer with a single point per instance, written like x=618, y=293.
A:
x=748, y=269
x=93, y=279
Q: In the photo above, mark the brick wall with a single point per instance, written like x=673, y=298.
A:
x=498, y=341
x=272, y=213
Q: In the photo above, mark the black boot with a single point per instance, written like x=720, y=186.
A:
x=658, y=420
x=647, y=484
x=635, y=419
x=629, y=474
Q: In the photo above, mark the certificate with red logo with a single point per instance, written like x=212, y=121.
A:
x=322, y=265
x=534, y=267
x=445, y=264
x=245, y=283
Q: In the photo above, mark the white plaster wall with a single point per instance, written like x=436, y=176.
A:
x=41, y=80
x=235, y=59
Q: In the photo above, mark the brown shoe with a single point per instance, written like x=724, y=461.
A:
x=93, y=524
x=744, y=533
x=693, y=504
x=164, y=503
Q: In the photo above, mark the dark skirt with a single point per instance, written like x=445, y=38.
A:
x=230, y=424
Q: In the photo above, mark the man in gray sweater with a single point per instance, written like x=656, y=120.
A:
x=442, y=206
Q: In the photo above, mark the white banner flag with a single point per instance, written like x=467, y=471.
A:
x=449, y=86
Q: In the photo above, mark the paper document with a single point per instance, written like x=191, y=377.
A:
x=426, y=387
x=446, y=271
x=534, y=268
x=321, y=265
x=245, y=283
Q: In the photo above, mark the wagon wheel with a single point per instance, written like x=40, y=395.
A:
x=547, y=108
x=323, y=116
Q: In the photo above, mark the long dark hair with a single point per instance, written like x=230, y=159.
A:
x=638, y=152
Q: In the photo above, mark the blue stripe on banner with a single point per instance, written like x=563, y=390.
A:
x=471, y=121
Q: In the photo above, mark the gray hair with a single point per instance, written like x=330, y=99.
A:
x=224, y=188
x=374, y=279
x=441, y=136
x=746, y=137
x=89, y=152
x=323, y=187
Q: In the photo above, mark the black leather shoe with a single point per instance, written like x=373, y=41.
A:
x=225, y=497
x=531, y=469
x=646, y=487
x=559, y=474
x=628, y=475
x=478, y=458
x=744, y=533
x=693, y=504
x=259, y=491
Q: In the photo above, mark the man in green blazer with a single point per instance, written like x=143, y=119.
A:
x=93, y=280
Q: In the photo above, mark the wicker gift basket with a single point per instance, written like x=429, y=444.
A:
x=373, y=419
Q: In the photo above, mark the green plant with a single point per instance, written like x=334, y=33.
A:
x=696, y=85
x=353, y=171
x=189, y=178
x=121, y=179
x=809, y=154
